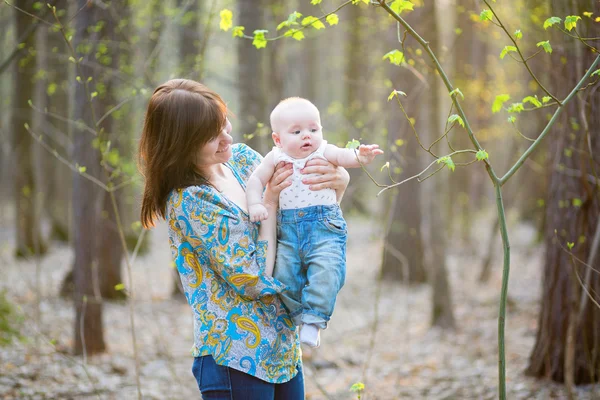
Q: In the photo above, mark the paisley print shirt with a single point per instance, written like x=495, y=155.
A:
x=238, y=318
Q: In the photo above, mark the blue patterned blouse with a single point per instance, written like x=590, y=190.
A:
x=238, y=317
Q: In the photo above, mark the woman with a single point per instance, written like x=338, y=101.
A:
x=245, y=345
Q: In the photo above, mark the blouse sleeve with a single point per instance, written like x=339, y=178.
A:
x=225, y=242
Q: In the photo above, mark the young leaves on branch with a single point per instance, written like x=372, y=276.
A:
x=448, y=161
x=533, y=100
x=396, y=93
x=259, y=38
x=398, y=6
x=546, y=46
x=457, y=92
x=551, y=21
x=332, y=19
x=571, y=22
x=314, y=22
x=454, y=118
x=396, y=57
x=499, y=102
x=518, y=34
x=481, y=155
x=353, y=144
x=486, y=15
x=226, y=19
x=506, y=50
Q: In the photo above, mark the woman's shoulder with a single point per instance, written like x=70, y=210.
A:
x=203, y=195
x=245, y=159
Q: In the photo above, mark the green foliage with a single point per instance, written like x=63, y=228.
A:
x=551, y=21
x=259, y=38
x=481, y=155
x=357, y=388
x=518, y=34
x=315, y=2
x=454, y=118
x=571, y=22
x=457, y=92
x=546, y=99
x=238, y=31
x=499, y=102
x=396, y=57
x=119, y=286
x=396, y=93
x=294, y=33
x=447, y=160
x=577, y=202
x=291, y=21
x=314, y=22
x=353, y=144
x=506, y=50
x=533, y=100
x=398, y=6
x=9, y=321
x=332, y=19
x=486, y=15
x=546, y=45
x=516, y=108
x=570, y=245
x=226, y=20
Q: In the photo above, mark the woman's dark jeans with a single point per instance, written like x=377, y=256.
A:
x=217, y=382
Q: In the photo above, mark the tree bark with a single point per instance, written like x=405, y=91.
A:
x=87, y=197
x=29, y=240
x=251, y=84
x=568, y=339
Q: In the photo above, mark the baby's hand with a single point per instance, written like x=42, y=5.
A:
x=258, y=212
x=367, y=153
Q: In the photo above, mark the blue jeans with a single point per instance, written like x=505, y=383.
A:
x=311, y=261
x=218, y=382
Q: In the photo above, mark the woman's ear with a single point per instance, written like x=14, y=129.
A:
x=276, y=139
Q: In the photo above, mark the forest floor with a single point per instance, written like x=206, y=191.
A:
x=397, y=355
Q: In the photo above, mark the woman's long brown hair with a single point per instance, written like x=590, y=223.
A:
x=182, y=116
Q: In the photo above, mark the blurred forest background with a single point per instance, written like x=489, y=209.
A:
x=81, y=278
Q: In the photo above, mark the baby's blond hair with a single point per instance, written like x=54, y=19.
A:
x=285, y=105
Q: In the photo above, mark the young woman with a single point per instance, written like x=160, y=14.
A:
x=245, y=345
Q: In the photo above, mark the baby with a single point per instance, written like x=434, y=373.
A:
x=311, y=243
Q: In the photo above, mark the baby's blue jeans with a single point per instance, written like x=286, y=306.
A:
x=311, y=261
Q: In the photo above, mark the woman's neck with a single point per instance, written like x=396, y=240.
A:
x=212, y=172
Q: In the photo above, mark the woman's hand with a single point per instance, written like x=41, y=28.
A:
x=327, y=176
x=280, y=180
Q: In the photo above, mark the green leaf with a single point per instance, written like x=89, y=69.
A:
x=596, y=72
x=571, y=21
x=357, y=387
x=295, y=34
x=499, y=102
x=532, y=100
x=226, y=19
x=332, y=19
x=395, y=56
x=291, y=21
x=454, y=117
x=353, y=144
x=516, y=108
x=546, y=45
x=238, y=31
x=386, y=165
x=512, y=119
x=315, y=2
x=51, y=89
x=551, y=21
x=570, y=245
x=259, y=39
x=546, y=99
x=518, y=34
x=506, y=50
x=94, y=94
x=588, y=14
x=481, y=155
x=119, y=287
x=448, y=161
x=577, y=202
x=314, y=22
x=396, y=93
x=486, y=15
x=81, y=169
x=398, y=6
x=457, y=91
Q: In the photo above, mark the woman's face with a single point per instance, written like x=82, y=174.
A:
x=216, y=151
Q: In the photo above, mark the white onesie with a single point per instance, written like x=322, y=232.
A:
x=298, y=195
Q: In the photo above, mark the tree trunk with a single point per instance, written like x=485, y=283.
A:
x=442, y=313
x=59, y=190
x=403, y=249
x=251, y=84
x=29, y=240
x=191, y=59
x=572, y=216
x=87, y=197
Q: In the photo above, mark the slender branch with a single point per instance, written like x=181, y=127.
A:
x=558, y=111
x=520, y=53
x=519, y=132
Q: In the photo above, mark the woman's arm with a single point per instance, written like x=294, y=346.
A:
x=327, y=176
x=268, y=227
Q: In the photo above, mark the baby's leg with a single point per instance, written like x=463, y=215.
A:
x=326, y=273
x=288, y=270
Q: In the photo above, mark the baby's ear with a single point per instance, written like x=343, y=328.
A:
x=276, y=139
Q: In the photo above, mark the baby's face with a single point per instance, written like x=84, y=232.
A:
x=299, y=131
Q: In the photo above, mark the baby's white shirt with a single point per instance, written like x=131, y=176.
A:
x=298, y=195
